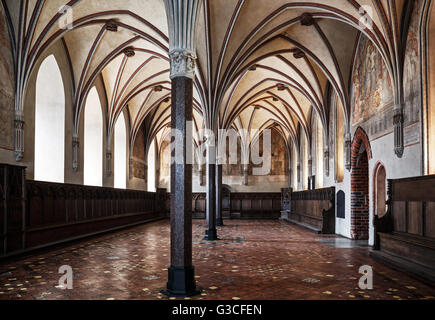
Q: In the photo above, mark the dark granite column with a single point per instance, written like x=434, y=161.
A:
x=181, y=280
x=219, y=219
x=211, y=233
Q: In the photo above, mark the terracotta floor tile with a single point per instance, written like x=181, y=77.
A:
x=254, y=260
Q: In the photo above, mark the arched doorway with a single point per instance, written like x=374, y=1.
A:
x=380, y=190
x=361, y=154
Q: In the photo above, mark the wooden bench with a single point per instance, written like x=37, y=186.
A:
x=313, y=210
x=241, y=205
x=405, y=235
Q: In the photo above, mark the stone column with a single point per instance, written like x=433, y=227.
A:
x=348, y=150
x=108, y=162
x=75, y=146
x=245, y=174
x=398, y=130
x=326, y=161
x=299, y=172
x=146, y=174
x=19, y=135
x=219, y=219
x=130, y=167
x=211, y=233
x=201, y=175
x=182, y=22
x=157, y=177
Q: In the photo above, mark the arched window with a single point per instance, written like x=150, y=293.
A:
x=49, y=123
x=380, y=188
x=319, y=154
x=93, y=166
x=152, y=167
x=120, y=153
x=304, y=164
x=431, y=105
x=339, y=141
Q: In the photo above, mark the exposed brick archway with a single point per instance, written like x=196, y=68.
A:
x=361, y=154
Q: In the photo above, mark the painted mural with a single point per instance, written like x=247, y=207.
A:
x=412, y=79
x=372, y=88
x=6, y=88
x=139, y=156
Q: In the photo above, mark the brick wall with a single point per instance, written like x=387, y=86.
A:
x=360, y=186
x=360, y=200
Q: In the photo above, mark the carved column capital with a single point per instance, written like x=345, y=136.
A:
x=183, y=63
x=326, y=161
x=75, y=146
x=130, y=166
x=182, y=26
x=19, y=136
x=299, y=172
x=310, y=166
x=398, y=123
x=108, y=163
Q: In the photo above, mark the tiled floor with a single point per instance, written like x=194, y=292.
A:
x=254, y=260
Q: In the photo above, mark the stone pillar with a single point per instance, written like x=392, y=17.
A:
x=348, y=151
x=398, y=131
x=157, y=177
x=146, y=175
x=130, y=168
x=326, y=161
x=75, y=146
x=211, y=233
x=182, y=22
x=310, y=166
x=219, y=219
x=108, y=162
x=19, y=136
x=201, y=175
x=299, y=172
x=245, y=174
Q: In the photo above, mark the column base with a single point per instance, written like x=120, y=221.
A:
x=211, y=235
x=181, y=283
x=220, y=222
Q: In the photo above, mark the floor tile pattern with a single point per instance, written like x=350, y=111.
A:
x=259, y=260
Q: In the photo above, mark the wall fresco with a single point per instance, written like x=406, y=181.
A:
x=412, y=78
x=372, y=87
x=6, y=88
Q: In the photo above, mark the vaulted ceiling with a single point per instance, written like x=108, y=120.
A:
x=260, y=63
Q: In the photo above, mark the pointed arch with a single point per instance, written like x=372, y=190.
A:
x=50, y=123
x=120, y=153
x=360, y=138
x=93, y=140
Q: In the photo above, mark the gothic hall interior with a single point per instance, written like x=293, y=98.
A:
x=217, y=150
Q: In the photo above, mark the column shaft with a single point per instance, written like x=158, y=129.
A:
x=181, y=280
x=211, y=233
x=219, y=218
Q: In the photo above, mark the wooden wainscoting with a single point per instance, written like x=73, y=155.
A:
x=405, y=235
x=312, y=209
x=38, y=214
x=242, y=206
